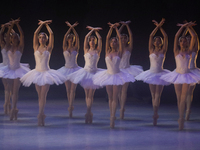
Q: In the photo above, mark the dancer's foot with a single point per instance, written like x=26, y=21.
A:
x=155, y=117
x=187, y=115
x=122, y=113
x=112, y=122
x=41, y=118
x=181, y=123
x=70, y=109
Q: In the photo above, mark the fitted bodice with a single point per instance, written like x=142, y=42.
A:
x=182, y=63
x=4, y=57
x=91, y=62
x=192, y=64
x=156, y=62
x=124, y=63
x=70, y=59
x=42, y=60
x=113, y=64
x=14, y=59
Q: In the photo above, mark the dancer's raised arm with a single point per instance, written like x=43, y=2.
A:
x=36, y=34
x=86, y=48
x=107, y=48
x=21, y=40
x=99, y=44
x=120, y=41
x=151, y=37
x=65, y=36
x=130, y=42
x=77, y=45
x=176, y=38
x=51, y=38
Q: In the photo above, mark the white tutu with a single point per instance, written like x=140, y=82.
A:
x=153, y=78
x=113, y=75
x=70, y=63
x=15, y=73
x=67, y=71
x=178, y=78
x=42, y=77
x=133, y=70
x=182, y=74
x=103, y=78
x=84, y=78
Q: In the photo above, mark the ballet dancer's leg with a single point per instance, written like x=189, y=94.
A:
x=15, y=93
x=71, y=89
x=7, y=104
x=116, y=90
x=182, y=101
x=42, y=94
x=89, y=95
x=123, y=97
x=189, y=101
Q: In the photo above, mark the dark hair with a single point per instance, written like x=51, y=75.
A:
x=43, y=33
x=92, y=36
x=71, y=35
x=182, y=37
x=159, y=38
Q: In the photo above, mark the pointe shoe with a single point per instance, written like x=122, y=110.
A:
x=90, y=118
x=41, y=118
x=155, y=117
x=12, y=114
x=86, y=118
x=7, y=109
x=112, y=122
x=15, y=114
x=122, y=113
x=181, y=123
x=70, y=109
x=187, y=115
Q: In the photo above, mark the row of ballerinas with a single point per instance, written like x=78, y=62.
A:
x=115, y=78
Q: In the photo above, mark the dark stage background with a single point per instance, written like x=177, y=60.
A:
x=99, y=13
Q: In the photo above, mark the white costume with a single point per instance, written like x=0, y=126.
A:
x=126, y=67
x=14, y=69
x=70, y=63
x=152, y=76
x=181, y=74
x=42, y=74
x=84, y=76
x=113, y=75
x=192, y=66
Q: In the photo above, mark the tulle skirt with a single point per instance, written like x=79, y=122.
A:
x=133, y=70
x=67, y=71
x=15, y=73
x=177, y=78
x=84, y=78
x=103, y=78
x=41, y=78
x=153, y=78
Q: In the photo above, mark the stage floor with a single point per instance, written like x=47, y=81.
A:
x=136, y=131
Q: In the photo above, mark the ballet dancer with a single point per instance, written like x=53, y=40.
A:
x=113, y=78
x=42, y=76
x=70, y=52
x=92, y=51
x=182, y=77
x=127, y=46
x=14, y=70
x=5, y=46
x=193, y=68
x=157, y=53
